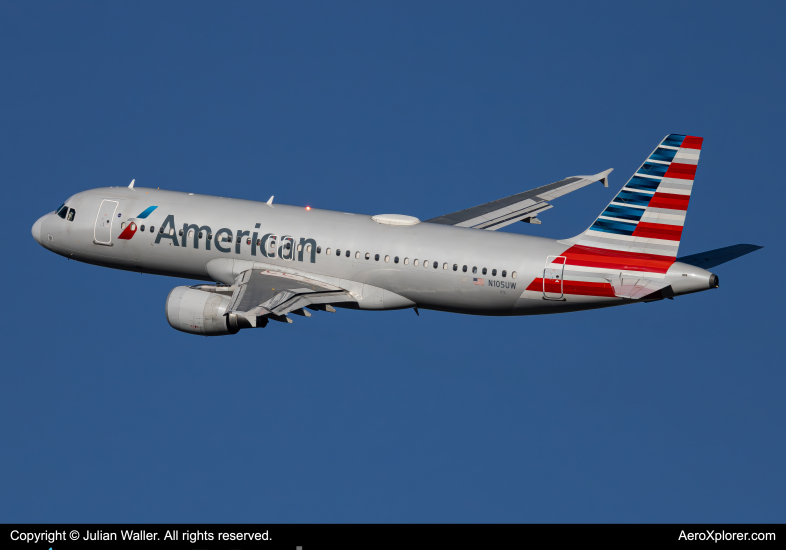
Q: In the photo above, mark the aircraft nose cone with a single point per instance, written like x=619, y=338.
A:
x=36, y=231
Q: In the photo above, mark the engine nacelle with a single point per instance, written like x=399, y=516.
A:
x=200, y=312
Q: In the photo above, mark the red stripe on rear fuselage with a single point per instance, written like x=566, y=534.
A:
x=575, y=288
x=616, y=260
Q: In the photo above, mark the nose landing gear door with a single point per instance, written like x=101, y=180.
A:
x=552, y=277
x=102, y=234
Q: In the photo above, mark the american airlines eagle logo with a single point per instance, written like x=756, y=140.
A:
x=130, y=229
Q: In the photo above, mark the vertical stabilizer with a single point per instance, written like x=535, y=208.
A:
x=640, y=230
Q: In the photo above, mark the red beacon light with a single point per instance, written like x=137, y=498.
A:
x=308, y=208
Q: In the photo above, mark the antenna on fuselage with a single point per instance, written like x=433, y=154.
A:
x=131, y=185
x=270, y=200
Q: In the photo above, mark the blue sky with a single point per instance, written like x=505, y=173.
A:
x=667, y=412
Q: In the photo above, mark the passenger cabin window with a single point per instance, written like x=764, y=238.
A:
x=455, y=267
x=484, y=271
x=493, y=272
x=347, y=254
x=435, y=265
x=444, y=266
x=415, y=262
x=376, y=257
x=504, y=273
x=327, y=251
x=308, y=248
x=338, y=252
x=357, y=255
x=319, y=249
x=152, y=229
x=368, y=256
x=209, y=236
x=474, y=269
x=387, y=259
x=406, y=261
x=71, y=214
x=141, y=227
x=123, y=225
x=513, y=274
x=464, y=269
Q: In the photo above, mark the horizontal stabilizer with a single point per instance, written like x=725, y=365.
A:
x=520, y=207
x=635, y=288
x=706, y=260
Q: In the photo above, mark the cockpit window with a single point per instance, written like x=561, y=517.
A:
x=71, y=214
x=62, y=211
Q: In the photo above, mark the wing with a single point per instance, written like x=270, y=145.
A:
x=520, y=207
x=272, y=295
x=712, y=258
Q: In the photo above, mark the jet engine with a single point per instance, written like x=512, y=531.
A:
x=196, y=311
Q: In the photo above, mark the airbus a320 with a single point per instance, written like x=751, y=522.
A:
x=268, y=262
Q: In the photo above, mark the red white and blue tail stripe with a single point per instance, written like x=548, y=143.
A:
x=640, y=229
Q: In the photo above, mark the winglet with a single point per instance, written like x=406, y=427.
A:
x=131, y=185
x=270, y=200
x=605, y=177
x=602, y=177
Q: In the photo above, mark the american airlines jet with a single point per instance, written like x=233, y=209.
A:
x=271, y=261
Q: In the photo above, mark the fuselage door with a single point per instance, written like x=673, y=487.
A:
x=552, y=277
x=102, y=233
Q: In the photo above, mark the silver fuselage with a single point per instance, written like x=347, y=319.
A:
x=418, y=248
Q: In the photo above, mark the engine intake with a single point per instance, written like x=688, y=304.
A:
x=200, y=312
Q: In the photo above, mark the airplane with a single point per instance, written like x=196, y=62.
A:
x=269, y=262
